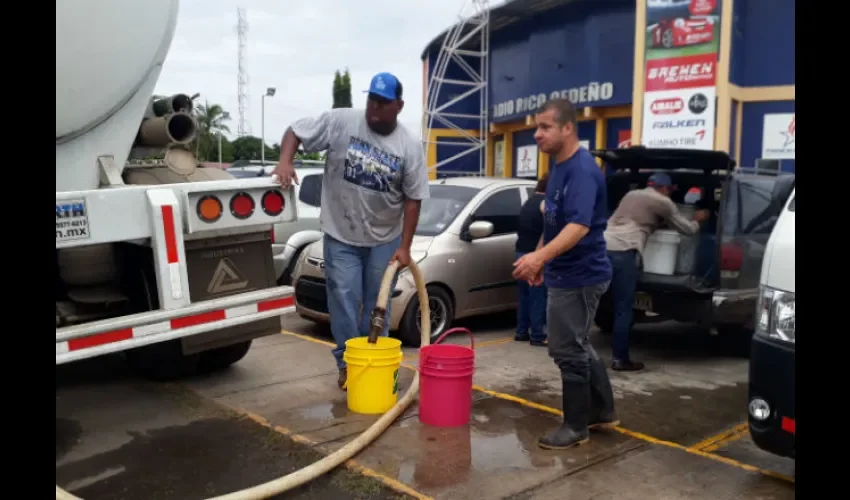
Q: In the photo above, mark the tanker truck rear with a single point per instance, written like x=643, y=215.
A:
x=165, y=261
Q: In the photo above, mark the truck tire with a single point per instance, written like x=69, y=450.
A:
x=163, y=361
x=220, y=358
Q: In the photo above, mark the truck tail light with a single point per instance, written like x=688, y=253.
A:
x=731, y=257
x=242, y=205
x=789, y=425
x=273, y=203
x=209, y=208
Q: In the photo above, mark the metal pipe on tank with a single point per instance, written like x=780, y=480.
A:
x=173, y=104
x=174, y=128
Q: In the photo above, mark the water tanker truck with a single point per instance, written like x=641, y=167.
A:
x=164, y=261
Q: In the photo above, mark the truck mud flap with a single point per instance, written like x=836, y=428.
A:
x=223, y=266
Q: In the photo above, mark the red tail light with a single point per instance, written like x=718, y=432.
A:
x=731, y=257
x=242, y=205
x=789, y=425
x=273, y=203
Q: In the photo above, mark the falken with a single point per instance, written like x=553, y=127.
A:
x=679, y=123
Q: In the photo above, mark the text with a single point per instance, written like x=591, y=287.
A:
x=673, y=142
x=679, y=123
x=682, y=73
x=590, y=93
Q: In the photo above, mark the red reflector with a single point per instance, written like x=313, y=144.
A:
x=170, y=233
x=275, y=304
x=197, y=319
x=789, y=425
x=271, y=235
x=273, y=203
x=100, y=339
x=731, y=257
x=242, y=205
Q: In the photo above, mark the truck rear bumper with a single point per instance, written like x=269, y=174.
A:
x=734, y=307
x=228, y=259
x=714, y=308
x=119, y=334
